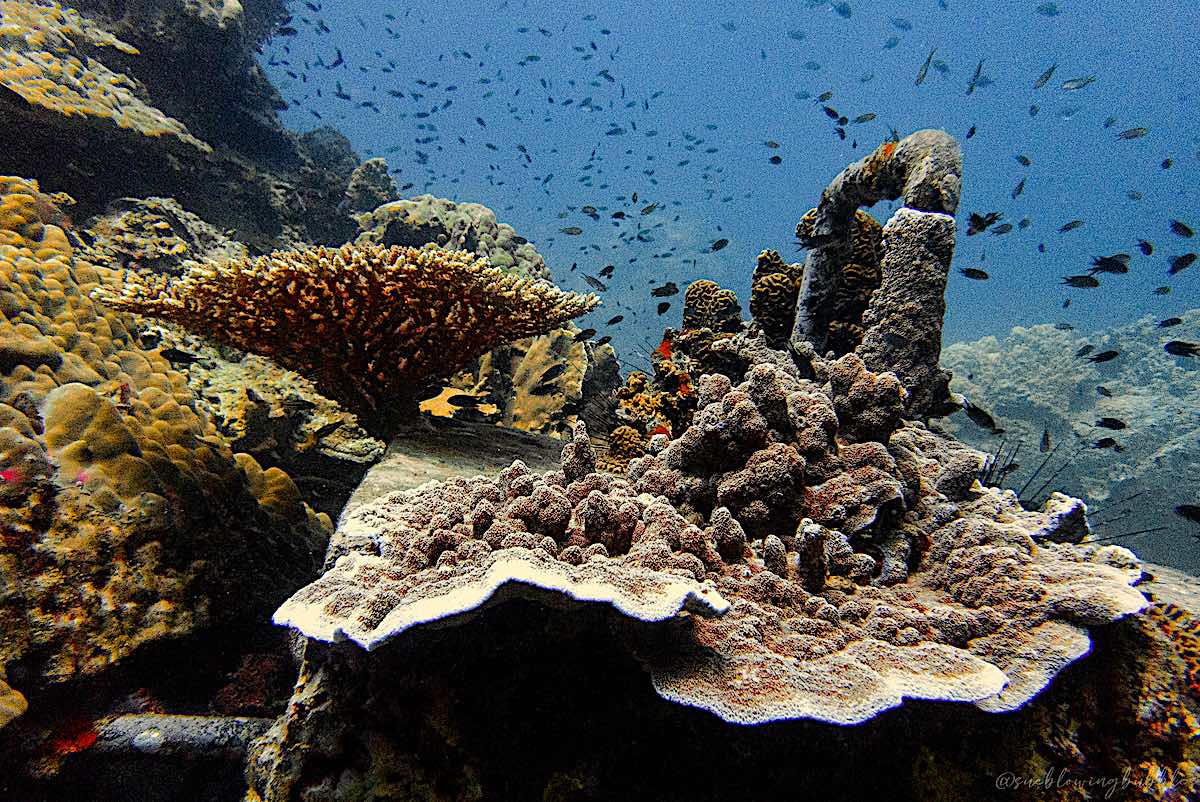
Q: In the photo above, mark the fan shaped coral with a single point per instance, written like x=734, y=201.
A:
x=368, y=324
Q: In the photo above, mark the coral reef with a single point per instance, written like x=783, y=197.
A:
x=125, y=519
x=368, y=324
x=458, y=226
x=1032, y=382
x=901, y=326
x=774, y=289
x=44, y=61
x=538, y=384
x=370, y=186
x=154, y=234
x=173, y=88
x=935, y=605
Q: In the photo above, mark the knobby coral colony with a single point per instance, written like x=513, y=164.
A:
x=370, y=325
x=805, y=549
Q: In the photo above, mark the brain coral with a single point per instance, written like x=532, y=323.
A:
x=774, y=289
x=45, y=60
x=368, y=324
x=831, y=580
x=124, y=518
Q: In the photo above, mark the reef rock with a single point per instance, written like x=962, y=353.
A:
x=1031, y=381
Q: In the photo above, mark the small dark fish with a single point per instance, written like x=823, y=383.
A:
x=1107, y=442
x=607, y=272
x=1162, y=290
x=1188, y=511
x=544, y=389
x=1048, y=9
x=666, y=290
x=1078, y=83
x=980, y=222
x=863, y=118
x=1084, y=351
x=553, y=372
x=618, y=215
x=1003, y=228
x=718, y=245
x=1081, y=282
x=595, y=283
x=1118, y=263
x=776, y=160
x=771, y=143
x=1018, y=189
x=1064, y=326
x=1182, y=348
x=1181, y=263
x=1146, y=247
x=979, y=416
x=1071, y=226
x=605, y=340
x=1116, y=424
x=1044, y=78
x=1166, y=164
x=1133, y=195
x=1169, y=322
x=614, y=321
x=974, y=273
x=1104, y=356
x=586, y=334
x=971, y=87
x=177, y=357
x=663, y=307
x=925, y=67
x=830, y=112
x=465, y=401
x=824, y=96
x=650, y=208
x=1044, y=446
x=429, y=391
x=970, y=132
x=1181, y=229
x=1133, y=133
x=1104, y=391
x=1023, y=160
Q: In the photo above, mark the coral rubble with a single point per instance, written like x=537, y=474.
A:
x=368, y=324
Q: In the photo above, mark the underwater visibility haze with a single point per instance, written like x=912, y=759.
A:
x=565, y=401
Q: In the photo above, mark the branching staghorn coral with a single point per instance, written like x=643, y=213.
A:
x=368, y=324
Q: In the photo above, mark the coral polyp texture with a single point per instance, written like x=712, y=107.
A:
x=774, y=288
x=124, y=517
x=368, y=324
x=45, y=61
x=794, y=567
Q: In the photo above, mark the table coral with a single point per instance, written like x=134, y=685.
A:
x=123, y=515
x=756, y=504
x=368, y=324
x=44, y=60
